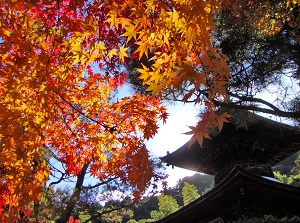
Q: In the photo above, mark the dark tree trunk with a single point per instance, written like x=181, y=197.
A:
x=75, y=196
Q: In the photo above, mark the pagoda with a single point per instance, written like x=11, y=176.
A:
x=240, y=157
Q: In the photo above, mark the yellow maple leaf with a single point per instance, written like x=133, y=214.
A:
x=122, y=53
x=150, y=2
x=125, y=22
x=113, y=21
x=131, y=32
x=6, y=32
x=144, y=73
x=143, y=49
x=156, y=89
x=112, y=53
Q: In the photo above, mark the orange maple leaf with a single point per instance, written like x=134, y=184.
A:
x=221, y=119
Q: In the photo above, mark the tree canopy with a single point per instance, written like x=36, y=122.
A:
x=189, y=193
x=261, y=42
x=166, y=206
x=57, y=78
x=61, y=61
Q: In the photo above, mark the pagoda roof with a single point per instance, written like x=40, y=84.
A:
x=247, y=137
x=241, y=193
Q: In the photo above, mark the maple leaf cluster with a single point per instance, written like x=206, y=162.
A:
x=61, y=62
x=178, y=35
x=60, y=65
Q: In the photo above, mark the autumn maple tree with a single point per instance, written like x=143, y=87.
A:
x=58, y=71
x=62, y=60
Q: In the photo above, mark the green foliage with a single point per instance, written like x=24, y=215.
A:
x=132, y=221
x=203, y=182
x=142, y=209
x=282, y=177
x=139, y=221
x=51, y=205
x=189, y=193
x=286, y=165
x=296, y=168
x=167, y=205
x=117, y=216
x=293, y=177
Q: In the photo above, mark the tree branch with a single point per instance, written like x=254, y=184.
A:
x=110, y=129
x=98, y=184
x=58, y=181
x=245, y=98
x=258, y=109
x=75, y=195
x=99, y=214
x=80, y=112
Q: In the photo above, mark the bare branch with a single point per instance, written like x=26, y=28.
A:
x=56, y=182
x=99, y=214
x=258, y=109
x=245, y=98
x=99, y=184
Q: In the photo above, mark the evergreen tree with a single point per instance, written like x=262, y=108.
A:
x=203, y=182
x=293, y=177
x=189, y=193
x=143, y=208
x=167, y=205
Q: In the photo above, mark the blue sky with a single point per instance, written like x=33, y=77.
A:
x=170, y=136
